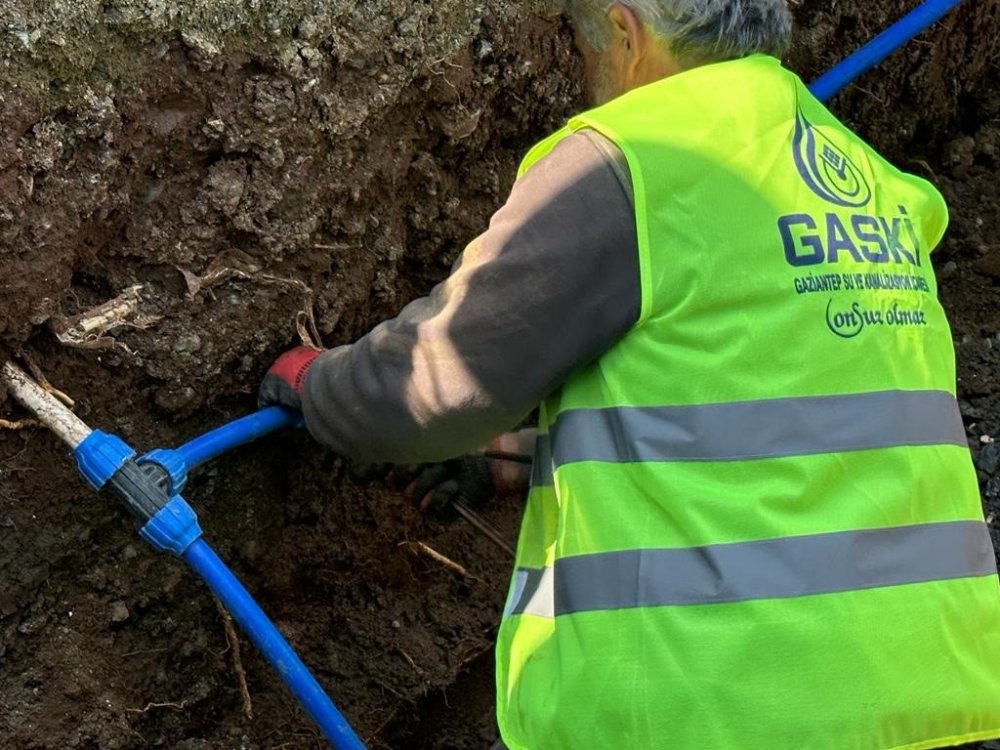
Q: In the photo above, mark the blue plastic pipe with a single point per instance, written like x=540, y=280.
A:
x=879, y=48
x=271, y=643
x=239, y=432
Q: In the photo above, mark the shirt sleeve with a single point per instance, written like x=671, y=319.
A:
x=551, y=285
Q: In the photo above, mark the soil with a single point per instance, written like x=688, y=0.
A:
x=244, y=162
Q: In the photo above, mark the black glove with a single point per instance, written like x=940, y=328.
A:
x=437, y=487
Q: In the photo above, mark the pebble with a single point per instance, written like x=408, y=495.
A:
x=119, y=612
x=409, y=26
x=483, y=49
x=960, y=151
x=187, y=343
x=988, y=459
x=173, y=400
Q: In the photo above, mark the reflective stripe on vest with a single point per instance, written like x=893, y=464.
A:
x=541, y=468
x=750, y=429
x=758, y=429
x=770, y=569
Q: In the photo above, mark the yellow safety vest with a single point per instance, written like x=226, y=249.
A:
x=754, y=522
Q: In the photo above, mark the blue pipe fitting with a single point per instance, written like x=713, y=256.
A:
x=181, y=461
x=174, y=528
x=100, y=456
x=171, y=461
x=150, y=487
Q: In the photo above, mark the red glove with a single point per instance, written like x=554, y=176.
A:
x=282, y=384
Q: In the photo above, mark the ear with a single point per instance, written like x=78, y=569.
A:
x=628, y=32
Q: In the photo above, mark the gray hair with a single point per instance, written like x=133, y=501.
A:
x=697, y=31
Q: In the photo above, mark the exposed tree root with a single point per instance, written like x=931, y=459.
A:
x=233, y=638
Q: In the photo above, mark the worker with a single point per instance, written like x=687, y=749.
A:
x=753, y=519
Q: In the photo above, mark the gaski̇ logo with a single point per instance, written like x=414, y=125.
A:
x=826, y=169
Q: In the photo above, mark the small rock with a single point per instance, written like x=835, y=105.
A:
x=187, y=343
x=173, y=400
x=948, y=270
x=961, y=151
x=200, y=43
x=32, y=624
x=114, y=16
x=153, y=191
x=25, y=37
x=214, y=128
x=307, y=28
x=409, y=26
x=988, y=459
x=483, y=49
x=119, y=612
x=356, y=63
x=312, y=57
x=988, y=140
x=225, y=183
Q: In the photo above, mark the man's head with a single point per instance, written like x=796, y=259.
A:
x=630, y=43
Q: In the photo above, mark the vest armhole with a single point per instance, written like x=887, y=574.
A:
x=639, y=202
x=540, y=150
x=939, y=204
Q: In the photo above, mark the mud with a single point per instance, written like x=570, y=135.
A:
x=244, y=163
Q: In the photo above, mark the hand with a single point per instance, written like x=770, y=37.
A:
x=437, y=487
x=282, y=385
x=502, y=469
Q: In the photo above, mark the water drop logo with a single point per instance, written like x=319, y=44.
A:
x=827, y=170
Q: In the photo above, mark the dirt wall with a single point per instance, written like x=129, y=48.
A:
x=242, y=163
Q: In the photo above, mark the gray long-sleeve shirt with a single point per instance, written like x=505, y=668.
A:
x=551, y=285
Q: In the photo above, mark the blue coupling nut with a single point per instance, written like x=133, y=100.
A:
x=100, y=456
x=173, y=462
x=174, y=528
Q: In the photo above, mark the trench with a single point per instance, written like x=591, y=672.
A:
x=333, y=157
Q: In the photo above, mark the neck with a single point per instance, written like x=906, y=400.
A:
x=658, y=63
